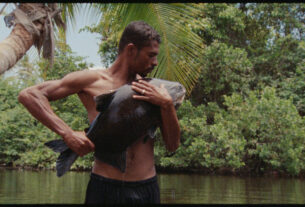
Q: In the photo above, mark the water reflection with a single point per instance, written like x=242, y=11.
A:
x=230, y=190
x=43, y=187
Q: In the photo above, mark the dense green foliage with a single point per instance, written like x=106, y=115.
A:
x=256, y=134
x=226, y=70
x=245, y=113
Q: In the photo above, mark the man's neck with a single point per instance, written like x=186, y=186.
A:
x=120, y=71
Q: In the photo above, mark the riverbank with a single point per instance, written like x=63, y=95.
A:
x=220, y=171
x=230, y=172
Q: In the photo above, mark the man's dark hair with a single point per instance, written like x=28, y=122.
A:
x=140, y=34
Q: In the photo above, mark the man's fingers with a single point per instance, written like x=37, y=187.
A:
x=138, y=86
x=144, y=98
x=141, y=90
x=81, y=144
x=80, y=152
x=85, y=151
x=92, y=146
x=147, y=84
x=88, y=146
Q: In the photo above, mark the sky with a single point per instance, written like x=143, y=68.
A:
x=84, y=44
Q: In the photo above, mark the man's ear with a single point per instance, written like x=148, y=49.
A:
x=131, y=49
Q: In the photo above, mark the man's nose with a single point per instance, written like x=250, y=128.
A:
x=155, y=62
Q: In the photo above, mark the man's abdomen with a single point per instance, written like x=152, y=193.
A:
x=139, y=164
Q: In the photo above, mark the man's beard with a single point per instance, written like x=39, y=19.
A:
x=144, y=74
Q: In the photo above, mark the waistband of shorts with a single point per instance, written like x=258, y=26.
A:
x=126, y=183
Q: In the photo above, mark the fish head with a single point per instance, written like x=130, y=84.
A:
x=176, y=91
x=179, y=95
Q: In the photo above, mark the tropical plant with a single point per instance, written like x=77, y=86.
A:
x=178, y=54
x=32, y=26
x=256, y=134
x=272, y=128
x=294, y=87
x=39, y=25
x=225, y=70
x=181, y=48
x=282, y=18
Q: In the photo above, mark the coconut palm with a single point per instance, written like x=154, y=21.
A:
x=32, y=26
x=179, y=54
x=36, y=24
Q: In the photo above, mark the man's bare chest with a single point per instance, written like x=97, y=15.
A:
x=97, y=88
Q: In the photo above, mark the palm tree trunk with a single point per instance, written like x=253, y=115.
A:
x=14, y=47
x=32, y=26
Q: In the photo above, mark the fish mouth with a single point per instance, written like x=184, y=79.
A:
x=179, y=101
x=179, y=97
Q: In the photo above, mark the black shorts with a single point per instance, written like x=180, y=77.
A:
x=104, y=190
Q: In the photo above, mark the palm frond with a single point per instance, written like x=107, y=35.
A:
x=180, y=52
x=69, y=13
x=91, y=13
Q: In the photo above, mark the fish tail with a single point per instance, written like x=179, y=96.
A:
x=66, y=158
x=65, y=161
x=57, y=145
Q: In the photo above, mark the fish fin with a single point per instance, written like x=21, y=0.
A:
x=116, y=159
x=57, y=145
x=65, y=161
x=103, y=101
x=66, y=157
x=151, y=133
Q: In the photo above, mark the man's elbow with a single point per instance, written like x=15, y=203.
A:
x=24, y=96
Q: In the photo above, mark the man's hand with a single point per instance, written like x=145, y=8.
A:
x=79, y=143
x=153, y=94
x=159, y=96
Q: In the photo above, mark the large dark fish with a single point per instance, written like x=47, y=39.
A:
x=121, y=121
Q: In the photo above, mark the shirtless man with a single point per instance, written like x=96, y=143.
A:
x=138, y=50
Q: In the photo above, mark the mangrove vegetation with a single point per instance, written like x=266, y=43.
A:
x=243, y=114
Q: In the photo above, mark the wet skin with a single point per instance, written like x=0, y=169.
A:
x=90, y=83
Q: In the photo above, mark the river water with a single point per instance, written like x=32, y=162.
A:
x=43, y=187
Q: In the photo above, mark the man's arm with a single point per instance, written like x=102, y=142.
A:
x=36, y=100
x=159, y=96
x=170, y=126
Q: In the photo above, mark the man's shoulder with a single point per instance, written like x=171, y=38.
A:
x=85, y=74
x=81, y=78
